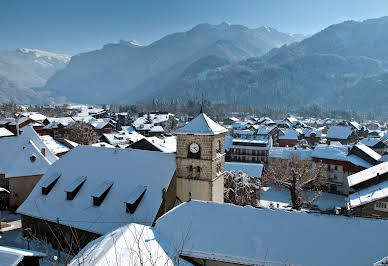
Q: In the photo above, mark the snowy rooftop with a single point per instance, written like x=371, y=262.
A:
x=290, y=134
x=54, y=146
x=370, y=142
x=286, y=153
x=369, y=194
x=367, y=174
x=251, y=169
x=22, y=155
x=166, y=144
x=127, y=169
x=123, y=137
x=152, y=119
x=336, y=151
x=369, y=151
x=132, y=244
x=266, y=236
x=5, y=132
x=13, y=256
x=202, y=125
x=339, y=132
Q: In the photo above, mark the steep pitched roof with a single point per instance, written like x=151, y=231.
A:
x=339, y=132
x=202, y=125
x=126, y=169
x=22, y=155
x=369, y=194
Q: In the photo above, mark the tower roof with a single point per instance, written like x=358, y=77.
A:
x=202, y=125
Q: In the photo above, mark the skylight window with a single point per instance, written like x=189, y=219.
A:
x=49, y=183
x=101, y=192
x=73, y=188
x=134, y=198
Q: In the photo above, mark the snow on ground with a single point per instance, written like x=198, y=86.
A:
x=274, y=195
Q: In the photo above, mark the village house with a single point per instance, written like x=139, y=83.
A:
x=12, y=124
x=121, y=139
x=340, y=162
x=254, y=150
x=100, y=189
x=272, y=131
x=24, y=159
x=369, y=192
x=56, y=127
x=289, y=138
x=166, y=144
x=343, y=134
x=375, y=144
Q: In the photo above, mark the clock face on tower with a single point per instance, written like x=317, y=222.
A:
x=194, y=148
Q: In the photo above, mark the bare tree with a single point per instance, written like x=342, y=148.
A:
x=240, y=189
x=297, y=175
x=81, y=133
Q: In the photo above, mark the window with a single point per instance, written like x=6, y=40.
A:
x=73, y=188
x=101, y=192
x=336, y=167
x=135, y=198
x=49, y=183
x=381, y=206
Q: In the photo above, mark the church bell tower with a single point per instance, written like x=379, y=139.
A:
x=200, y=158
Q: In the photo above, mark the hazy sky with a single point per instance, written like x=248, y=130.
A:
x=73, y=26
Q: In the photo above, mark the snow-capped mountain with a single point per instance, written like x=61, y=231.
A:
x=30, y=67
x=126, y=69
x=344, y=65
x=24, y=68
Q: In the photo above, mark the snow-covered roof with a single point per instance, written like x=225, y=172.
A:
x=336, y=151
x=132, y=244
x=257, y=143
x=152, y=119
x=251, y=169
x=264, y=130
x=102, y=144
x=355, y=124
x=244, y=132
x=100, y=123
x=166, y=144
x=54, y=146
x=123, y=137
x=369, y=151
x=202, y=125
x=286, y=153
x=22, y=155
x=339, y=132
x=264, y=235
x=370, y=142
x=5, y=132
x=157, y=129
x=13, y=256
x=290, y=134
x=127, y=169
x=367, y=174
x=35, y=116
x=384, y=138
x=369, y=194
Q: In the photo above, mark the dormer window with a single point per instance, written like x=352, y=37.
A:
x=49, y=183
x=101, y=192
x=73, y=188
x=135, y=198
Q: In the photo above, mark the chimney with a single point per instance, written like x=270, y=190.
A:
x=44, y=151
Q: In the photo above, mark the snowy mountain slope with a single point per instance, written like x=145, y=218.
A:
x=126, y=68
x=30, y=67
x=24, y=68
x=331, y=67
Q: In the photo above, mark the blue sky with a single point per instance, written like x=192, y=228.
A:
x=73, y=26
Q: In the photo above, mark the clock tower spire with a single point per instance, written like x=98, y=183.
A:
x=200, y=160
